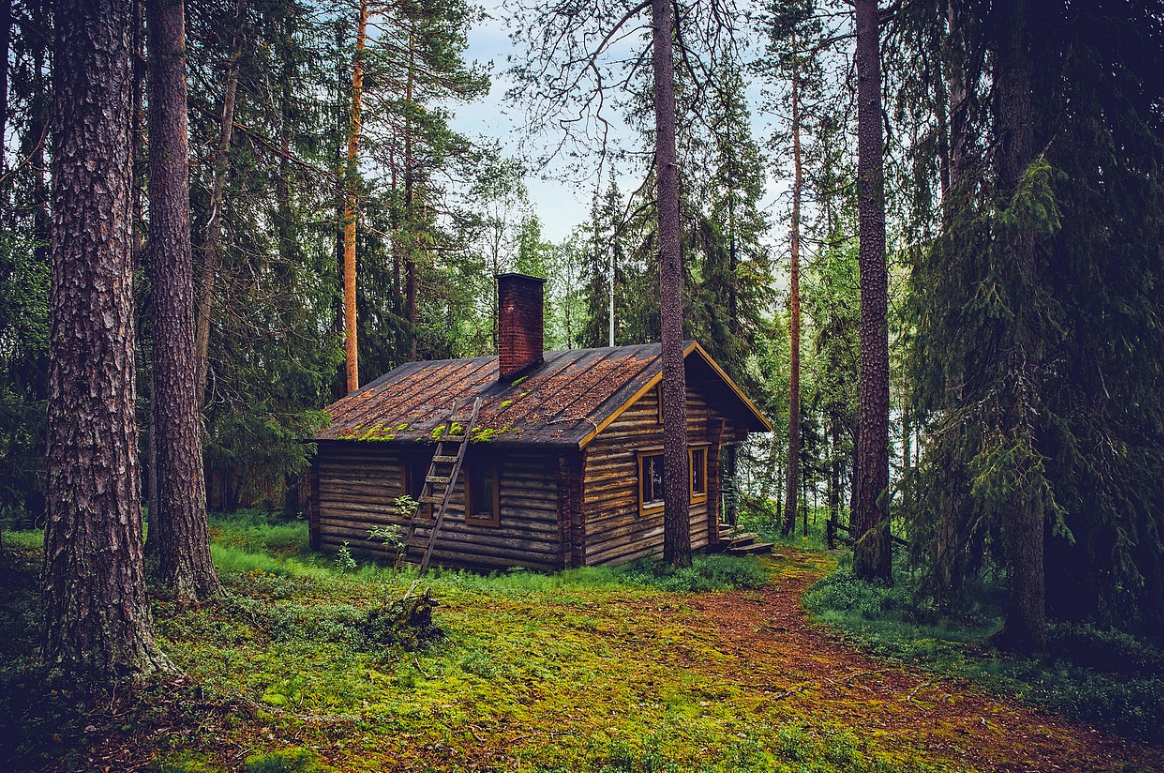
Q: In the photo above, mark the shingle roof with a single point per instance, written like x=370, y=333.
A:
x=562, y=402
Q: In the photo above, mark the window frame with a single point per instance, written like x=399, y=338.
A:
x=693, y=496
x=409, y=462
x=469, y=471
x=654, y=505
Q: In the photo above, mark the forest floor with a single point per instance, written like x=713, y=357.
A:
x=578, y=671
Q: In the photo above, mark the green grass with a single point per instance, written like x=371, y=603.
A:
x=1104, y=677
x=298, y=666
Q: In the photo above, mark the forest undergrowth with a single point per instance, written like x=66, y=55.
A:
x=299, y=667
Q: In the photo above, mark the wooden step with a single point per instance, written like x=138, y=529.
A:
x=753, y=548
x=739, y=539
x=445, y=459
x=431, y=500
x=442, y=479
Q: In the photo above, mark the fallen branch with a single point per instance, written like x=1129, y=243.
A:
x=849, y=679
x=918, y=688
x=781, y=696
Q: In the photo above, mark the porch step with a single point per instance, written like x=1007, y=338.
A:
x=736, y=539
x=750, y=549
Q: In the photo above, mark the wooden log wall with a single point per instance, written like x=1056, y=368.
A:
x=357, y=483
x=616, y=532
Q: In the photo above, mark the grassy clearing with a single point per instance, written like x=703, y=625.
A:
x=1103, y=677
x=603, y=669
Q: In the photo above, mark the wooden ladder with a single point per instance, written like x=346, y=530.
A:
x=441, y=477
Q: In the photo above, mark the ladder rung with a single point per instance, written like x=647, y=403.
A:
x=445, y=459
x=438, y=479
x=431, y=500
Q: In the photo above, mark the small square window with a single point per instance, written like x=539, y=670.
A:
x=697, y=457
x=413, y=470
x=482, y=494
x=650, y=482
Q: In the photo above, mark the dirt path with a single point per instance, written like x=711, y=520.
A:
x=808, y=672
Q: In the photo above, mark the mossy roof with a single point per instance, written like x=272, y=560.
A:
x=564, y=401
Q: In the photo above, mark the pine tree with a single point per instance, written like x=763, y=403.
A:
x=182, y=540
x=97, y=619
x=871, y=549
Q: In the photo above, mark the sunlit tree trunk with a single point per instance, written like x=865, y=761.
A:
x=351, y=352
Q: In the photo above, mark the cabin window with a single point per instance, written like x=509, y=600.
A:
x=651, y=478
x=413, y=469
x=650, y=482
x=697, y=459
x=482, y=494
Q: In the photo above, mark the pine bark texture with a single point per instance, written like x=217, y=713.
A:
x=97, y=619
x=794, y=325
x=183, y=541
x=871, y=548
x=351, y=350
x=208, y=266
x=1025, y=627
x=676, y=522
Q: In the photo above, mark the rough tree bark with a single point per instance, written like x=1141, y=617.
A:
x=96, y=612
x=208, y=266
x=183, y=541
x=790, y=502
x=676, y=518
x=1025, y=627
x=351, y=352
x=871, y=548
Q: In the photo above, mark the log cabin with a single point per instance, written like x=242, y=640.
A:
x=564, y=464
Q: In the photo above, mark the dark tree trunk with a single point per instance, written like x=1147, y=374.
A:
x=5, y=41
x=949, y=557
x=183, y=554
x=676, y=519
x=794, y=302
x=96, y=612
x=871, y=556
x=1025, y=627
x=208, y=265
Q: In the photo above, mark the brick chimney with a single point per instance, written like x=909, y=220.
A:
x=519, y=324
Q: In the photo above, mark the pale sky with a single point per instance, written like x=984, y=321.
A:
x=559, y=206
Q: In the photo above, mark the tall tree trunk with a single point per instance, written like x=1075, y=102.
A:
x=5, y=42
x=1025, y=627
x=410, y=203
x=676, y=519
x=351, y=351
x=871, y=549
x=184, y=562
x=208, y=267
x=949, y=563
x=97, y=619
x=794, y=302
